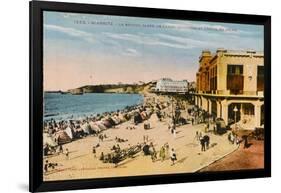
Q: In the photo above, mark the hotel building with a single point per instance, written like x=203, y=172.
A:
x=230, y=85
x=167, y=85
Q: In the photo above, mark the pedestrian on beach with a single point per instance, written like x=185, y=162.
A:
x=94, y=151
x=162, y=153
x=60, y=149
x=101, y=156
x=174, y=133
x=100, y=138
x=167, y=149
x=118, y=148
x=192, y=121
x=153, y=154
x=197, y=136
x=173, y=156
x=67, y=154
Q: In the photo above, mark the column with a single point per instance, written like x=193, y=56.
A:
x=210, y=106
x=242, y=111
x=204, y=104
x=224, y=111
x=218, y=109
x=258, y=114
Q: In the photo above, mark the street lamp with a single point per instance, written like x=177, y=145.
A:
x=172, y=101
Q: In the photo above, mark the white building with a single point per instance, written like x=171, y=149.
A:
x=168, y=85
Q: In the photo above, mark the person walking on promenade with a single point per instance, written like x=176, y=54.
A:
x=206, y=128
x=202, y=142
x=173, y=156
x=245, y=137
x=207, y=141
x=46, y=166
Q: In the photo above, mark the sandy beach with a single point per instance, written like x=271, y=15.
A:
x=82, y=163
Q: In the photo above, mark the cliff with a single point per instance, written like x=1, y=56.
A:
x=112, y=88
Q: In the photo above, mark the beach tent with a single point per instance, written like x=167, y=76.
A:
x=127, y=116
x=111, y=121
x=69, y=132
x=49, y=140
x=145, y=150
x=122, y=118
x=86, y=128
x=94, y=127
x=107, y=123
x=62, y=137
x=79, y=132
x=143, y=115
x=116, y=120
x=137, y=118
x=101, y=125
x=148, y=111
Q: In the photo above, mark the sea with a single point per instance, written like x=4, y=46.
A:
x=67, y=106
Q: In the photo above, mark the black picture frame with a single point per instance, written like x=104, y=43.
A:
x=36, y=95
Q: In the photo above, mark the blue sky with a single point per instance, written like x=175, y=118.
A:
x=84, y=49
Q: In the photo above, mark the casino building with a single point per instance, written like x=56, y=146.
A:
x=230, y=85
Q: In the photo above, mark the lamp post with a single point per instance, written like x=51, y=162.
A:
x=172, y=101
x=235, y=111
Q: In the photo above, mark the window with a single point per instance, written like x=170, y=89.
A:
x=235, y=69
x=235, y=79
x=260, y=78
x=260, y=70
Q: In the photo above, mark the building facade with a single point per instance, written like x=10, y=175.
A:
x=230, y=85
x=167, y=85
